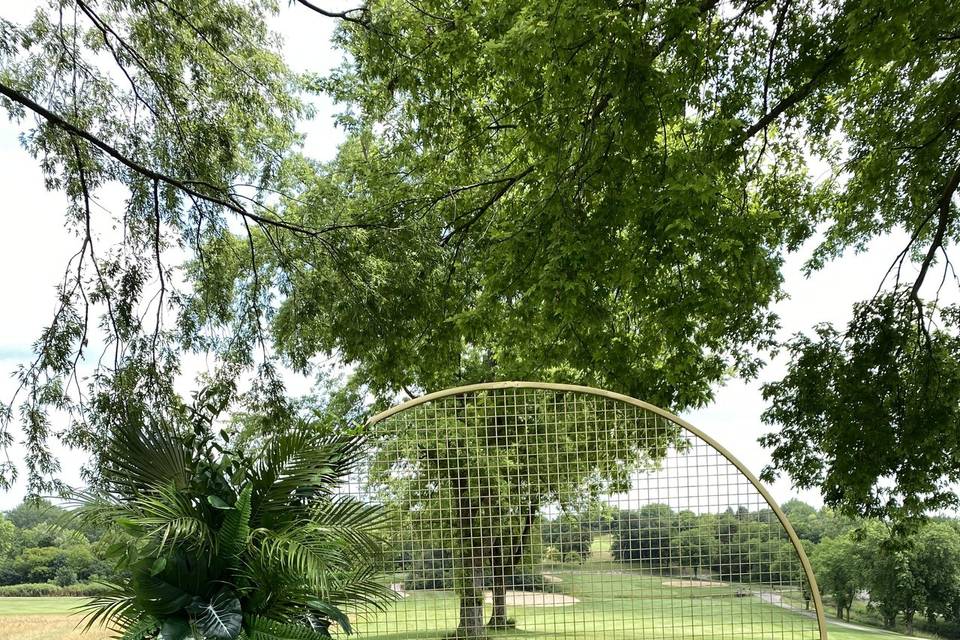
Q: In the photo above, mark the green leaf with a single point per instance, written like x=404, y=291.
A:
x=157, y=596
x=219, y=619
x=158, y=565
x=233, y=533
x=176, y=628
x=334, y=613
x=218, y=503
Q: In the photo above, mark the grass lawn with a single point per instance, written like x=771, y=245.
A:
x=614, y=605
x=43, y=619
x=610, y=606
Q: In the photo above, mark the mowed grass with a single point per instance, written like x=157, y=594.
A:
x=43, y=619
x=612, y=604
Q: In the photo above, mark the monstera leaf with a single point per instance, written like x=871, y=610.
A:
x=175, y=628
x=156, y=595
x=218, y=619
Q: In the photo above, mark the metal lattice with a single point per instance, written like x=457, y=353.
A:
x=553, y=510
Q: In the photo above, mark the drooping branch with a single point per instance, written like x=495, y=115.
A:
x=190, y=187
x=159, y=261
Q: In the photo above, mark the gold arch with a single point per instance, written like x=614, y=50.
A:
x=774, y=506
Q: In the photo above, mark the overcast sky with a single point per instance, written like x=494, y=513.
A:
x=34, y=247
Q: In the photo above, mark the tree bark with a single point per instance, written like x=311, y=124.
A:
x=471, y=590
x=498, y=618
x=471, y=549
x=471, y=612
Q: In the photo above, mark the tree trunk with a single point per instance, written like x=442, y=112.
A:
x=498, y=619
x=471, y=614
x=908, y=619
x=471, y=591
x=470, y=585
x=498, y=587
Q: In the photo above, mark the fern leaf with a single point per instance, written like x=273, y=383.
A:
x=233, y=533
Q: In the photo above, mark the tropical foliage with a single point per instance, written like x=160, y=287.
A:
x=216, y=542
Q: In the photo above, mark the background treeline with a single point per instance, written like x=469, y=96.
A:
x=41, y=554
x=866, y=571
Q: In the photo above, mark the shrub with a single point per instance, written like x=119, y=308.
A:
x=65, y=577
x=45, y=589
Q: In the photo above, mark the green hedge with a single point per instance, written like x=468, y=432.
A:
x=40, y=589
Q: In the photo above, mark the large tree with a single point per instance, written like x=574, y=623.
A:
x=473, y=473
x=841, y=570
x=594, y=191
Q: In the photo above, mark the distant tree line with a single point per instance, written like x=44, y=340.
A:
x=910, y=577
x=38, y=546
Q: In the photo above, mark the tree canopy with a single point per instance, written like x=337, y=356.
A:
x=598, y=192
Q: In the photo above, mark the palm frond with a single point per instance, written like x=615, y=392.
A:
x=292, y=552
x=137, y=631
x=168, y=517
x=299, y=466
x=260, y=628
x=361, y=587
x=144, y=454
x=359, y=525
x=116, y=609
x=92, y=508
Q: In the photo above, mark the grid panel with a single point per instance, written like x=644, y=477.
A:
x=526, y=511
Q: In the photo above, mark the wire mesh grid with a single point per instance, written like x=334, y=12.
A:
x=531, y=511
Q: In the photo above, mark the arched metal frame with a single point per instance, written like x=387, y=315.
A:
x=774, y=506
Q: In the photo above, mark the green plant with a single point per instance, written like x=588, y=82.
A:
x=48, y=589
x=218, y=544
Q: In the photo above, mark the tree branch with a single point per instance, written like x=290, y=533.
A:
x=479, y=211
x=226, y=200
x=794, y=98
x=943, y=222
x=157, y=256
x=342, y=15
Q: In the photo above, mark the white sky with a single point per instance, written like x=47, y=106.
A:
x=34, y=247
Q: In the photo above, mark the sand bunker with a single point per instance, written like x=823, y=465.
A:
x=514, y=598
x=535, y=599
x=690, y=582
